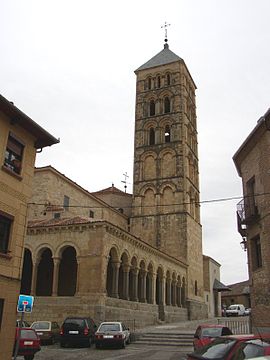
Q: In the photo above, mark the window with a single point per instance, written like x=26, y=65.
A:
x=167, y=134
x=1, y=310
x=168, y=77
x=5, y=228
x=66, y=202
x=91, y=214
x=250, y=205
x=256, y=254
x=196, y=287
x=158, y=81
x=56, y=215
x=149, y=83
x=151, y=136
x=14, y=154
x=152, y=110
x=167, y=105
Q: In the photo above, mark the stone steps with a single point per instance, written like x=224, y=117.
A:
x=183, y=339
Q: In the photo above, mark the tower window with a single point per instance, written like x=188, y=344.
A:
x=158, y=81
x=196, y=287
x=151, y=136
x=149, y=83
x=167, y=134
x=168, y=77
x=167, y=105
x=56, y=215
x=152, y=108
x=91, y=214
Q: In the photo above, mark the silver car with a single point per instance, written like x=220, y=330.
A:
x=112, y=333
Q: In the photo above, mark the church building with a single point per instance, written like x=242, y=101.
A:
x=116, y=256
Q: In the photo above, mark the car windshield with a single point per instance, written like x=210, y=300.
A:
x=215, y=350
x=211, y=332
x=41, y=325
x=28, y=334
x=77, y=322
x=109, y=327
x=233, y=307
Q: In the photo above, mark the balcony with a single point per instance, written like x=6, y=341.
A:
x=247, y=213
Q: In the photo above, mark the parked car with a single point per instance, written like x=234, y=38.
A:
x=48, y=331
x=113, y=334
x=206, y=333
x=235, y=310
x=234, y=347
x=29, y=343
x=77, y=331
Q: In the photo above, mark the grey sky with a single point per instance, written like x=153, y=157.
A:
x=69, y=66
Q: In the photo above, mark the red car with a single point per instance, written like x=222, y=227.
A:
x=29, y=343
x=234, y=347
x=206, y=333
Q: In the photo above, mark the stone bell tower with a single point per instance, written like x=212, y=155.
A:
x=165, y=211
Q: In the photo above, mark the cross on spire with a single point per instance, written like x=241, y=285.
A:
x=165, y=28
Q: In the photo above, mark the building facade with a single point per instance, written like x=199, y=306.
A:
x=20, y=138
x=115, y=256
x=252, y=164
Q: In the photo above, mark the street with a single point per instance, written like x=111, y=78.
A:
x=131, y=352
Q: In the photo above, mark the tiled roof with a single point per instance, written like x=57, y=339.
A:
x=60, y=222
x=238, y=289
x=165, y=56
x=219, y=286
x=111, y=190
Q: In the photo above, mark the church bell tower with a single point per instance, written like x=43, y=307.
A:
x=165, y=210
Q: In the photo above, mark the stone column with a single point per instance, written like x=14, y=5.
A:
x=34, y=276
x=173, y=293
x=169, y=295
x=153, y=289
x=126, y=269
x=115, y=277
x=135, y=284
x=143, y=286
x=56, y=264
x=79, y=260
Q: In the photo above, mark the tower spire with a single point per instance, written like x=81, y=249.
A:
x=165, y=29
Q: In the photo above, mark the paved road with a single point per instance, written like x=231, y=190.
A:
x=131, y=352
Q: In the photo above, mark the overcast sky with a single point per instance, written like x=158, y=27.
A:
x=69, y=65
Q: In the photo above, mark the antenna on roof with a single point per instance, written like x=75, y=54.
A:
x=125, y=181
x=165, y=28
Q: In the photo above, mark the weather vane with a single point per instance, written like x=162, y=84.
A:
x=165, y=28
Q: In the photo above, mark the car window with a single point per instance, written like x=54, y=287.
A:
x=226, y=331
x=216, y=349
x=28, y=334
x=247, y=351
x=109, y=327
x=41, y=325
x=211, y=332
x=75, y=322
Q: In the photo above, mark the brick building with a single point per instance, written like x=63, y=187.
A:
x=20, y=138
x=252, y=163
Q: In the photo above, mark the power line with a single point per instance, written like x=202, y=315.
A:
x=156, y=205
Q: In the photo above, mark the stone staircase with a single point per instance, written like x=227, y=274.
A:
x=181, y=339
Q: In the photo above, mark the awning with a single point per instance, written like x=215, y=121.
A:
x=220, y=287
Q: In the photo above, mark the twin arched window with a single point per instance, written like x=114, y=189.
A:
x=167, y=105
x=152, y=135
x=152, y=108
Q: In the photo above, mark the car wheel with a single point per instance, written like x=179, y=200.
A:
x=89, y=342
x=29, y=357
x=62, y=344
x=129, y=340
x=124, y=345
x=52, y=341
x=98, y=346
